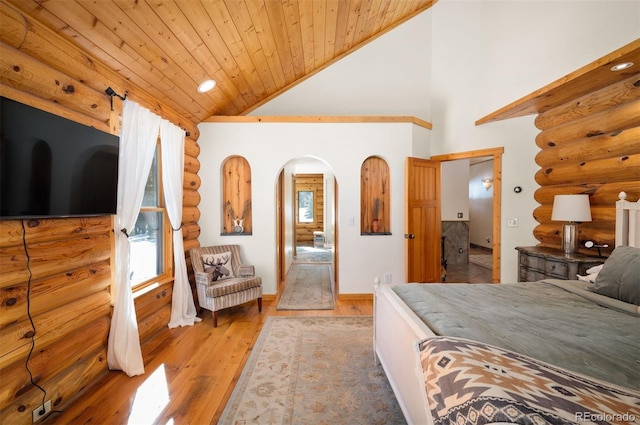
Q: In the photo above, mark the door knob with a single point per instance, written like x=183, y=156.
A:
x=409, y=236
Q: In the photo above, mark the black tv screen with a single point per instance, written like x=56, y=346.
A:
x=54, y=167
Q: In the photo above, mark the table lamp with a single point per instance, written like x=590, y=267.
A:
x=573, y=209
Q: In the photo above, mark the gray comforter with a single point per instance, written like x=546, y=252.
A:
x=547, y=320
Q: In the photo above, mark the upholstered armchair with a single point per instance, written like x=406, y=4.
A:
x=222, y=281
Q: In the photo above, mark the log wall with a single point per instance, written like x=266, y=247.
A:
x=589, y=145
x=67, y=286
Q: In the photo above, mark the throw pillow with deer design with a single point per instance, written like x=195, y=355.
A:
x=219, y=266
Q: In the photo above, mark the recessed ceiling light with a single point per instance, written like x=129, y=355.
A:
x=206, y=85
x=621, y=66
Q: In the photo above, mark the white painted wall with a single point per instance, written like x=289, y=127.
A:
x=343, y=147
x=480, y=205
x=389, y=76
x=455, y=190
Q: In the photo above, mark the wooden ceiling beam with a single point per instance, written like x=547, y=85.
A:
x=321, y=119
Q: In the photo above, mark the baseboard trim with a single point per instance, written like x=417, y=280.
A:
x=355, y=297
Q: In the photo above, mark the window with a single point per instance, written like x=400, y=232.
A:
x=305, y=206
x=150, y=239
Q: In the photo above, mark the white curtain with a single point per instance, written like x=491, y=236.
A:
x=183, y=310
x=137, y=146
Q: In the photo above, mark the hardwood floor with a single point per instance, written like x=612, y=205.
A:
x=190, y=371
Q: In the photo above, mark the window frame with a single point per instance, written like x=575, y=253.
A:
x=167, y=237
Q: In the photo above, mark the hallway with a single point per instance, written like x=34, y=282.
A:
x=470, y=272
x=307, y=253
x=310, y=283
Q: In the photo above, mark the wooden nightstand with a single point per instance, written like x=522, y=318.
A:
x=537, y=263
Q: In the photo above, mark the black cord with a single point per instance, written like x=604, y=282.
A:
x=33, y=326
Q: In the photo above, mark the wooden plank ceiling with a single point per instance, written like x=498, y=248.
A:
x=253, y=49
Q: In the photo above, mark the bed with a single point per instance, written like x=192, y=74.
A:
x=458, y=353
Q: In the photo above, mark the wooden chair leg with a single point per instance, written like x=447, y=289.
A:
x=215, y=319
x=260, y=305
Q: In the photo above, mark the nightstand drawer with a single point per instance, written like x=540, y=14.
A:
x=532, y=262
x=556, y=268
x=528, y=275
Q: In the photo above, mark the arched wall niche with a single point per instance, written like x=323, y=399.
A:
x=236, y=196
x=375, y=198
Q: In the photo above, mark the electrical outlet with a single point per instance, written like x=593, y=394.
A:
x=40, y=412
x=460, y=251
x=512, y=222
x=387, y=278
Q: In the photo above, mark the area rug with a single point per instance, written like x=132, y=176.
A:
x=308, y=287
x=310, y=254
x=313, y=370
x=485, y=261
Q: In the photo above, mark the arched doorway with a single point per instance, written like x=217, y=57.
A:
x=305, y=215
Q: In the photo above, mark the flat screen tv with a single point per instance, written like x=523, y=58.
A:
x=54, y=167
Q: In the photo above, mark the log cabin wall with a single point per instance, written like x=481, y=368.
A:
x=589, y=145
x=71, y=259
x=315, y=184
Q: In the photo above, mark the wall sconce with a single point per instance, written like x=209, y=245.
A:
x=591, y=244
x=487, y=183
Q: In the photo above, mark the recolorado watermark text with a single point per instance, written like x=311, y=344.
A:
x=604, y=417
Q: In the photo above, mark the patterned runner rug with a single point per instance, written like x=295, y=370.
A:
x=308, y=287
x=313, y=370
x=310, y=254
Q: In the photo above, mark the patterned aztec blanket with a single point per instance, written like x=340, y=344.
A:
x=469, y=382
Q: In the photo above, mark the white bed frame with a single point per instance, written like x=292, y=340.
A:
x=627, y=221
x=397, y=330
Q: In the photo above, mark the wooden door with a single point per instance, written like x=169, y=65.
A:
x=423, y=230
x=280, y=231
x=294, y=214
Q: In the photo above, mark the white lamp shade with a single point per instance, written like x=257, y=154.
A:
x=571, y=208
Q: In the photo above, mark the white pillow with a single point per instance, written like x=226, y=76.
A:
x=591, y=278
x=595, y=269
x=592, y=274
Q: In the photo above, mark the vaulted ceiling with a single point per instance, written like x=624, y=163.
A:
x=253, y=49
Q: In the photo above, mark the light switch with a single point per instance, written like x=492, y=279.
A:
x=351, y=221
